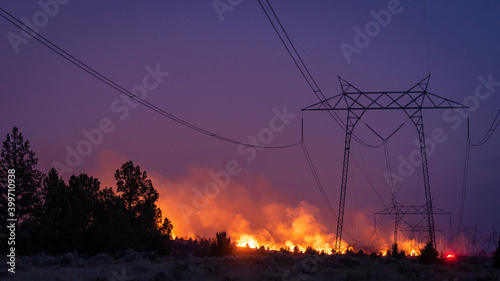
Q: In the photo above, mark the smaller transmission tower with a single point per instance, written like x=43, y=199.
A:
x=416, y=231
x=399, y=211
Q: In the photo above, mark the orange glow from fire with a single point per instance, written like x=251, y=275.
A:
x=263, y=223
x=247, y=240
x=251, y=211
x=410, y=247
x=253, y=216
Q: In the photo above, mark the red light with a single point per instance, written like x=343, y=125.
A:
x=450, y=256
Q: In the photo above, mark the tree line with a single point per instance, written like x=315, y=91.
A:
x=58, y=217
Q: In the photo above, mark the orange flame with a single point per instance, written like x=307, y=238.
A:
x=247, y=240
x=256, y=216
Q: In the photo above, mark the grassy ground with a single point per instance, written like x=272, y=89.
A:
x=130, y=265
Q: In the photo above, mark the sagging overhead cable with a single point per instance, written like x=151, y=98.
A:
x=292, y=51
x=489, y=133
x=19, y=24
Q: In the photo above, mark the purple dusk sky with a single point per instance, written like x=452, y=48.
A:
x=229, y=73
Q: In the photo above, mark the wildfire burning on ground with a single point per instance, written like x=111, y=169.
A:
x=252, y=213
x=254, y=217
x=249, y=216
x=286, y=228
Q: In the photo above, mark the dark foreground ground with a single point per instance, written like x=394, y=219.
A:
x=130, y=265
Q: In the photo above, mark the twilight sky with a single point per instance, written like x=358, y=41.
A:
x=227, y=72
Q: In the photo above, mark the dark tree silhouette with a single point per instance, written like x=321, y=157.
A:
x=54, y=230
x=111, y=230
x=56, y=217
x=310, y=251
x=140, y=199
x=296, y=249
x=428, y=255
x=496, y=256
x=81, y=216
x=166, y=228
x=285, y=250
x=69, y=212
x=262, y=250
x=133, y=185
x=83, y=191
x=221, y=246
x=395, y=254
x=17, y=154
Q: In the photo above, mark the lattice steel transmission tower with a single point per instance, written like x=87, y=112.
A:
x=417, y=231
x=356, y=103
x=399, y=211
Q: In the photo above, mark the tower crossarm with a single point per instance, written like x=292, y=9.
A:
x=416, y=97
x=410, y=210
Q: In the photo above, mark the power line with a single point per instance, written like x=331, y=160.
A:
x=325, y=197
x=297, y=59
x=387, y=158
x=468, y=144
x=369, y=182
x=306, y=74
x=323, y=193
x=389, y=169
x=490, y=131
x=16, y=22
x=426, y=38
x=316, y=178
x=464, y=184
x=314, y=87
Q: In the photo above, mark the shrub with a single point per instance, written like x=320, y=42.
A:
x=296, y=249
x=428, y=255
x=310, y=251
x=262, y=250
x=395, y=253
x=361, y=253
x=496, y=256
x=285, y=250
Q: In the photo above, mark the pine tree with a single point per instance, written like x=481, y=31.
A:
x=17, y=157
x=140, y=198
x=83, y=191
x=111, y=230
x=166, y=228
x=54, y=231
x=69, y=212
x=133, y=185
